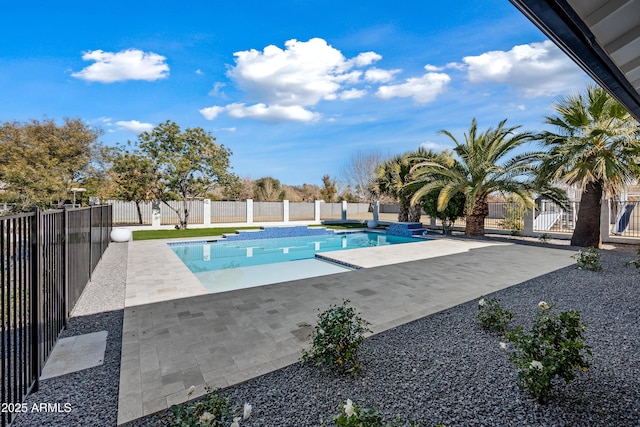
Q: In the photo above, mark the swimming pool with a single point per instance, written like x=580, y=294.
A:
x=226, y=265
x=221, y=254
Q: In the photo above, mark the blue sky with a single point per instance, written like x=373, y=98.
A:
x=293, y=88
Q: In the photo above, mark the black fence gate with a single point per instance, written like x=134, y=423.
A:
x=46, y=260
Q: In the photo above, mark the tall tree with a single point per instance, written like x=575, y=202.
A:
x=188, y=163
x=595, y=145
x=267, y=189
x=40, y=161
x=486, y=165
x=392, y=177
x=232, y=187
x=359, y=173
x=135, y=177
x=328, y=191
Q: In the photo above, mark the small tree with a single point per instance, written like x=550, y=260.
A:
x=135, y=177
x=187, y=164
x=452, y=211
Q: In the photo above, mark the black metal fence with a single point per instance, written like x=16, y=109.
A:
x=46, y=261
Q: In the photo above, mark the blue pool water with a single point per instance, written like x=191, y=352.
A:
x=222, y=255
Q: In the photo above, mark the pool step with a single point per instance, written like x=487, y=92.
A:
x=271, y=232
x=406, y=229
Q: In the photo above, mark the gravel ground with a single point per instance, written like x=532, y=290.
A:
x=440, y=369
x=92, y=393
x=445, y=369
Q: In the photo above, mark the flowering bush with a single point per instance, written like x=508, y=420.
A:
x=353, y=416
x=492, y=316
x=214, y=411
x=589, y=259
x=554, y=347
x=336, y=339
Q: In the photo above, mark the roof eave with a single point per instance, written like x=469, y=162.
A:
x=558, y=21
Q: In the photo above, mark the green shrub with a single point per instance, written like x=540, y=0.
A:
x=492, y=316
x=368, y=416
x=214, y=410
x=545, y=238
x=513, y=218
x=554, y=347
x=336, y=339
x=635, y=262
x=589, y=259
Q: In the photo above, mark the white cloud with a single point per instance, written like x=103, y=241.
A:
x=302, y=74
x=211, y=113
x=432, y=68
x=366, y=58
x=422, y=89
x=455, y=66
x=434, y=146
x=199, y=72
x=535, y=69
x=283, y=83
x=130, y=64
x=217, y=89
x=378, y=75
x=352, y=94
x=273, y=113
x=135, y=126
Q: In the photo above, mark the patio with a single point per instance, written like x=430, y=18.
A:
x=170, y=344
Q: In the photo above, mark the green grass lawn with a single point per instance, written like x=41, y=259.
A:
x=219, y=231
x=189, y=232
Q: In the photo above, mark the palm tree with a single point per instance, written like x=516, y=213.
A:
x=485, y=166
x=393, y=174
x=596, y=146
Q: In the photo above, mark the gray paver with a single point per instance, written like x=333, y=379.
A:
x=245, y=333
x=75, y=353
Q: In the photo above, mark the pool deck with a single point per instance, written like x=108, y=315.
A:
x=176, y=335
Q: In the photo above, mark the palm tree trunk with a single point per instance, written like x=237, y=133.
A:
x=587, y=231
x=475, y=220
x=403, y=212
x=415, y=212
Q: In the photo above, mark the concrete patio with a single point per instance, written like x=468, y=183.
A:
x=175, y=335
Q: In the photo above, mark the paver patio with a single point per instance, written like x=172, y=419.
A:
x=175, y=335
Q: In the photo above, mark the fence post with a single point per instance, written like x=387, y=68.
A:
x=35, y=298
x=207, y=212
x=605, y=220
x=376, y=211
x=65, y=262
x=528, y=218
x=344, y=210
x=155, y=214
x=316, y=211
x=90, y=242
x=285, y=210
x=249, y=211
